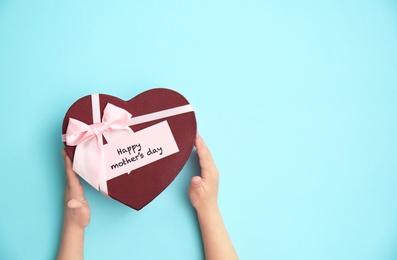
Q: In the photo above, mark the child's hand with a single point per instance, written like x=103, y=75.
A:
x=77, y=211
x=203, y=191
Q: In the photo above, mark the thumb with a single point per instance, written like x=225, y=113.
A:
x=74, y=204
x=196, y=182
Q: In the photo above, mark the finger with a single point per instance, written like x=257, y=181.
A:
x=71, y=176
x=205, y=158
x=66, y=159
x=202, y=150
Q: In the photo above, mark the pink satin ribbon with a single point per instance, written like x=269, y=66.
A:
x=88, y=158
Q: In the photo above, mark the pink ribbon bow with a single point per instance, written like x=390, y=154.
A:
x=89, y=143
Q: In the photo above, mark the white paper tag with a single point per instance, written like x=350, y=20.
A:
x=139, y=149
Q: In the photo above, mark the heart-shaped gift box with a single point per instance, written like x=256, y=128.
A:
x=130, y=150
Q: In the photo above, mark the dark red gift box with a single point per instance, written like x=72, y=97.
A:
x=86, y=128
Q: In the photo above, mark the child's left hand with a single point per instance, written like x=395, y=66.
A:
x=77, y=211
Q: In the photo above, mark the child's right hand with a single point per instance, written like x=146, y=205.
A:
x=203, y=191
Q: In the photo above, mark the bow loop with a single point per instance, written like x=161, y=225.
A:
x=115, y=117
x=77, y=132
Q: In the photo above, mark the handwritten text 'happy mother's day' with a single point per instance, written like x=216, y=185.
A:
x=135, y=153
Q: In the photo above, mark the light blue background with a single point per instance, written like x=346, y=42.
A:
x=296, y=99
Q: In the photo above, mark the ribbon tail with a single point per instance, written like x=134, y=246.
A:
x=103, y=186
x=85, y=161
